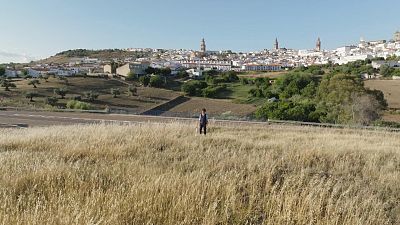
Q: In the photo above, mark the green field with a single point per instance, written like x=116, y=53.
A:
x=236, y=91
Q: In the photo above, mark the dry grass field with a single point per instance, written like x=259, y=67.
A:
x=164, y=174
x=391, y=89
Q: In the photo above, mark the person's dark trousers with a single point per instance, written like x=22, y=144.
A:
x=203, y=127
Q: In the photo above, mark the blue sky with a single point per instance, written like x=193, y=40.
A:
x=40, y=28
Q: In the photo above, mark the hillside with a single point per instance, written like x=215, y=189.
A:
x=164, y=174
x=145, y=99
x=104, y=55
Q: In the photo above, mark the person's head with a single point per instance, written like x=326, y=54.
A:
x=203, y=111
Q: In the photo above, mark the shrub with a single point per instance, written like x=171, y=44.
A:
x=230, y=76
x=144, y=80
x=131, y=77
x=91, y=95
x=132, y=90
x=115, y=92
x=194, y=88
x=156, y=81
x=51, y=101
x=73, y=104
x=182, y=74
x=209, y=92
x=61, y=92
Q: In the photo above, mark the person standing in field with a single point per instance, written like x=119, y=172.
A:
x=203, y=120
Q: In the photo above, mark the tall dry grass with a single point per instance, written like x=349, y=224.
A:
x=164, y=174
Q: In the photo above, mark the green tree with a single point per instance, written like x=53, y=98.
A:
x=194, y=88
x=132, y=90
x=156, y=81
x=91, y=95
x=31, y=95
x=45, y=78
x=182, y=74
x=151, y=70
x=2, y=71
x=25, y=73
x=7, y=84
x=51, y=101
x=115, y=92
x=34, y=82
x=230, y=76
x=339, y=97
x=386, y=71
x=61, y=92
x=62, y=78
x=165, y=72
x=144, y=80
x=296, y=111
x=131, y=76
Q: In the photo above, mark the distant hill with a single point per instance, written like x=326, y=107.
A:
x=104, y=55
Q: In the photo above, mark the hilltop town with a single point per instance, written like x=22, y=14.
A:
x=137, y=60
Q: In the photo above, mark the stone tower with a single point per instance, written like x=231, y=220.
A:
x=276, y=44
x=397, y=36
x=318, y=46
x=203, y=47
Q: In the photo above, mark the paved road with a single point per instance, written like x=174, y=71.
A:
x=32, y=119
x=69, y=118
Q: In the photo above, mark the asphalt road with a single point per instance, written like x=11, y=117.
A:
x=32, y=119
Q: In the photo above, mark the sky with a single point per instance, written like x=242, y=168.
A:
x=33, y=29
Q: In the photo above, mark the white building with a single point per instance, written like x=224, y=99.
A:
x=352, y=58
x=33, y=73
x=343, y=51
x=11, y=73
x=195, y=72
x=261, y=67
x=207, y=64
x=392, y=64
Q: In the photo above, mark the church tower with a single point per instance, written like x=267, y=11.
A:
x=203, y=48
x=276, y=44
x=318, y=46
x=397, y=36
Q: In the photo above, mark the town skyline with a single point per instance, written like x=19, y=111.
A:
x=25, y=58
x=44, y=28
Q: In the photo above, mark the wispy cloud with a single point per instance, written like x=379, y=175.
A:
x=7, y=57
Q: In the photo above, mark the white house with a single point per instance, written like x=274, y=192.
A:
x=11, y=73
x=366, y=76
x=392, y=64
x=33, y=73
x=195, y=72
x=352, y=58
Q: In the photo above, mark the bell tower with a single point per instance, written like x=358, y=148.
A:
x=318, y=46
x=203, y=47
x=276, y=44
